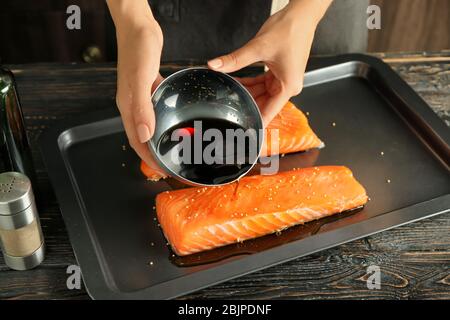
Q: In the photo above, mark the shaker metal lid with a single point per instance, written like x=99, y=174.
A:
x=16, y=193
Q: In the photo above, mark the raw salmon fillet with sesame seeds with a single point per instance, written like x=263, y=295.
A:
x=293, y=135
x=198, y=219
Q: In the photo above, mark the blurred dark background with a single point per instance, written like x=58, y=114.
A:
x=34, y=30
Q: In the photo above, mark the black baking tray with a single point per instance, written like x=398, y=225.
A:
x=370, y=121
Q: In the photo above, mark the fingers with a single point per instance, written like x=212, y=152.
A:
x=261, y=101
x=280, y=87
x=268, y=94
x=238, y=59
x=257, y=90
x=141, y=149
x=271, y=106
x=157, y=81
x=136, y=109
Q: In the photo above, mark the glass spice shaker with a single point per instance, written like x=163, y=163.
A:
x=21, y=237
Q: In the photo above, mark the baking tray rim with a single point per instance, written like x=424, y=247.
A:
x=96, y=281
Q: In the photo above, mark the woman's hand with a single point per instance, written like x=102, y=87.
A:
x=283, y=43
x=139, y=43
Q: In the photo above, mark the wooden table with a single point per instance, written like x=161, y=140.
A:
x=414, y=259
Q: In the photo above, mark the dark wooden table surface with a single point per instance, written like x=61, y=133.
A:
x=414, y=259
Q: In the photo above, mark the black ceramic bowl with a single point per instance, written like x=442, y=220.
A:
x=219, y=102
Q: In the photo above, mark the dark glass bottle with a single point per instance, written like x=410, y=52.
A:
x=14, y=145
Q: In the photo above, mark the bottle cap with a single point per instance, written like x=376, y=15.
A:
x=15, y=193
x=17, y=207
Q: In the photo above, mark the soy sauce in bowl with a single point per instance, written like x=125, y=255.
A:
x=199, y=105
x=208, y=151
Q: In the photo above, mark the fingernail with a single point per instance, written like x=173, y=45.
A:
x=143, y=133
x=215, y=63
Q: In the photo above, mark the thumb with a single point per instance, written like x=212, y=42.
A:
x=143, y=114
x=236, y=60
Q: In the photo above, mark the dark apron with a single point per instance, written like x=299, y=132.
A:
x=203, y=29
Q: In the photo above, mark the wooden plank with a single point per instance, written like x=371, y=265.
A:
x=411, y=25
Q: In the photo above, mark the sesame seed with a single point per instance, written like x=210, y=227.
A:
x=334, y=124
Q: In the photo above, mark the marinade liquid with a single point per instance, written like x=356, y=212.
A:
x=232, y=149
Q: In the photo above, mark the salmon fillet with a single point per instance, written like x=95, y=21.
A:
x=203, y=218
x=294, y=135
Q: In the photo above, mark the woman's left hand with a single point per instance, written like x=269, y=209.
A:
x=283, y=43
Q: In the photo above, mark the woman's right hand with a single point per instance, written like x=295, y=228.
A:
x=139, y=43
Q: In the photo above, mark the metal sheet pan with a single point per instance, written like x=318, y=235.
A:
x=370, y=120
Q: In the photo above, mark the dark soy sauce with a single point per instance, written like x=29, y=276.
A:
x=235, y=156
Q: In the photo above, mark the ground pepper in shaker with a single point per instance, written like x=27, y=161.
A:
x=21, y=237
